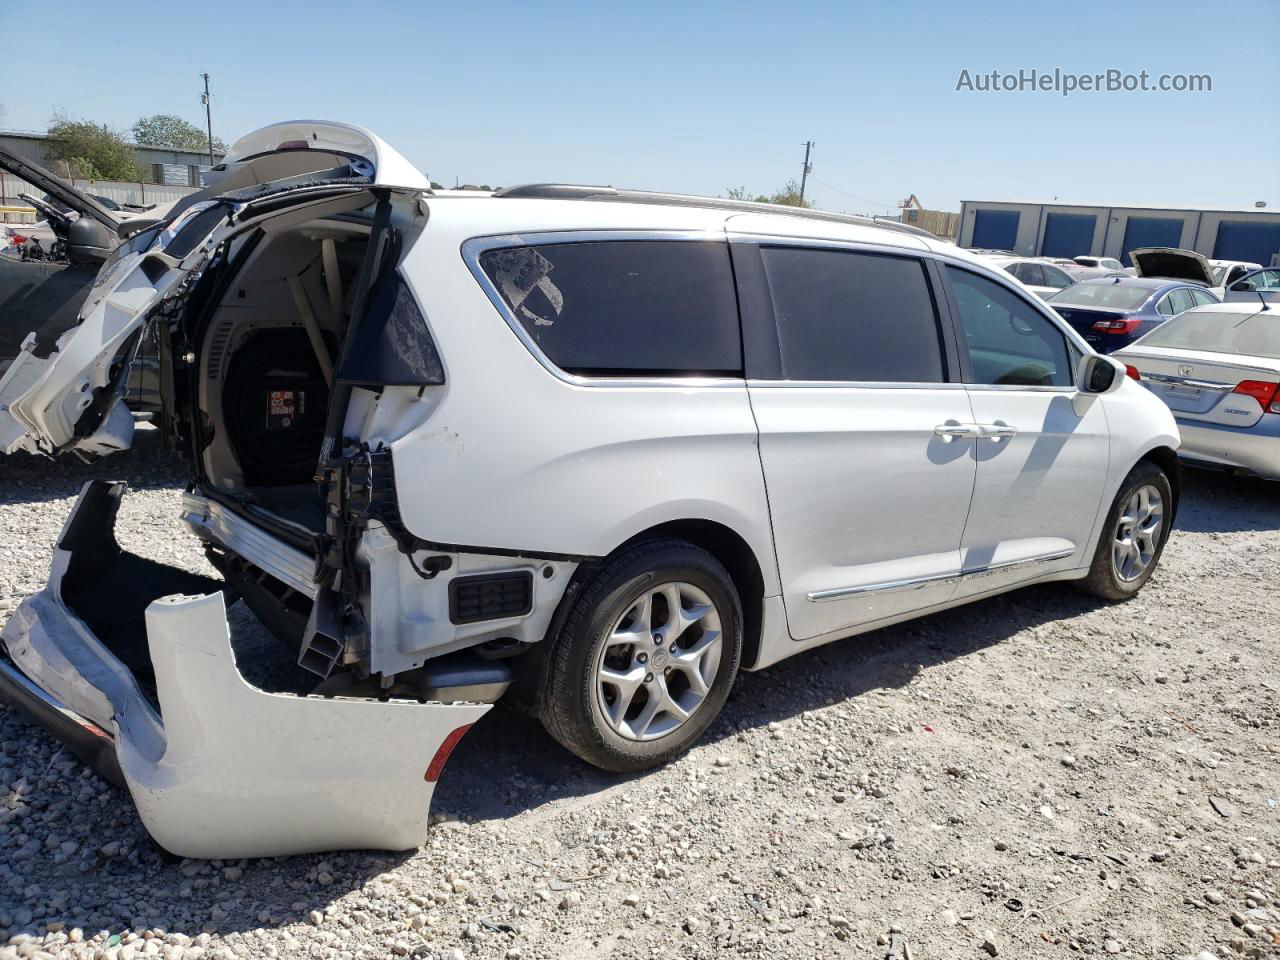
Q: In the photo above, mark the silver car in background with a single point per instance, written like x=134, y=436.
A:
x=1218, y=369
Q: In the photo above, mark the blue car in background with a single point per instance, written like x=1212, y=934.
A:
x=1112, y=312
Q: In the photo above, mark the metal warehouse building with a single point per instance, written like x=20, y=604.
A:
x=1069, y=230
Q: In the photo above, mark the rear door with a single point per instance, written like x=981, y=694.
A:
x=1043, y=447
x=865, y=434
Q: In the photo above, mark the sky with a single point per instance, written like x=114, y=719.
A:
x=700, y=97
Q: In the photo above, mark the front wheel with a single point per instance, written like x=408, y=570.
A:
x=646, y=658
x=1133, y=536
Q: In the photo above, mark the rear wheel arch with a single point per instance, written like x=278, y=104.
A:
x=727, y=546
x=724, y=543
x=1166, y=458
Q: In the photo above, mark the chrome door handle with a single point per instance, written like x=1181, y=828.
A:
x=957, y=431
x=995, y=432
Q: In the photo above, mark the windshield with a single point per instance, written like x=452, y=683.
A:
x=1253, y=335
x=1109, y=296
x=1218, y=274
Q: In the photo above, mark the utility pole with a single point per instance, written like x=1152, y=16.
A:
x=208, y=115
x=804, y=174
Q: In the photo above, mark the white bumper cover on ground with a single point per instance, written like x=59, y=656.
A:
x=230, y=771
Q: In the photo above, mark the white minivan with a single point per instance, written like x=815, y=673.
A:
x=591, y=449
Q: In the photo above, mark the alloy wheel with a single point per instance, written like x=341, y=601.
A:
x=659, y=660
x=1137, y=534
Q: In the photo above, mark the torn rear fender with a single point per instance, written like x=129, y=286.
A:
x=222, y=769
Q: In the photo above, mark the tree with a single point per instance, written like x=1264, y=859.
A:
x=788, y=196
x=92, y=150
x=166, y=130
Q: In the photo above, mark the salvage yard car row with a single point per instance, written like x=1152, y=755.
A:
x=592, y=450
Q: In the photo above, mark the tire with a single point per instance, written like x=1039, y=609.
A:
x=1117, y=573
x=626, y=726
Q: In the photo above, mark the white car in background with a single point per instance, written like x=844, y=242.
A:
x=1043, y=278
x=1106, y=263
x=1218, y=369
x=1226, y=272
x=604, y=447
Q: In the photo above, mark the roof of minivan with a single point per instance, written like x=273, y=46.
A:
x=538, y=214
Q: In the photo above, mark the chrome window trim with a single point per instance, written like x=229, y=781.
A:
x=473, y=248
x=915, y=583
x=857, y=384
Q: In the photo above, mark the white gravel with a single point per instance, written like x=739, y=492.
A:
x=1035, y=776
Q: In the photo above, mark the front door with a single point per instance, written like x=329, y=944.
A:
x=864, y=434
x=1042, y=449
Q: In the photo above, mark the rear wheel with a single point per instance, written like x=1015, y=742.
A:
x=1134, y=535
x=646, y=658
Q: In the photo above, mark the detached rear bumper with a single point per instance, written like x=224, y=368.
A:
x=221, y=769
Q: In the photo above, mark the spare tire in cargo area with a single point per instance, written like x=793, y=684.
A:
x=274, y=406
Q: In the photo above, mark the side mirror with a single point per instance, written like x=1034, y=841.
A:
x=1099, y=374
x=89, y=242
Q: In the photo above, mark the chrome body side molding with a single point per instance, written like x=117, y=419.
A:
x=839, y=593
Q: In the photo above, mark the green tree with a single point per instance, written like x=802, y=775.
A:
x=92, y=150
x=166, y=130
x=787, y=196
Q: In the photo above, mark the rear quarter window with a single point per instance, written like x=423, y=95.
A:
x=624, y=307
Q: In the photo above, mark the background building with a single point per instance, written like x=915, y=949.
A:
x=1068, y=230
x=167, y=175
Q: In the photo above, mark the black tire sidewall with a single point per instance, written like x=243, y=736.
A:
x=600, y=607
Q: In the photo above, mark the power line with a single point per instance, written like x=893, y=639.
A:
x=855, y=196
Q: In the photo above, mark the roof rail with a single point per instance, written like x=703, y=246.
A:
x=577, y=191
x=556, y=191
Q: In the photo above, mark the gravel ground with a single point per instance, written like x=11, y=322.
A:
x=1032, y=776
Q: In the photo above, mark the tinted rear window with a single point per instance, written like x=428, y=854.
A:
x=1254, y=336
x=1108, y=294
x=845, y=315
x=624, y=307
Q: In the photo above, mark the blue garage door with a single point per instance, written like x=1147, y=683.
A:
x=1149, y=232
x=1068, y=234
x=1255, y=242
x=995, y=229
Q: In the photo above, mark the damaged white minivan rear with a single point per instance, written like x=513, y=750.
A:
x=590, y=450
x=250, y=289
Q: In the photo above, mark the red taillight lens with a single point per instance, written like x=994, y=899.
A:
x=1131, y=372
x=1267, y=394
x=17, y=239
x=436, y=767
x=1123, y=325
